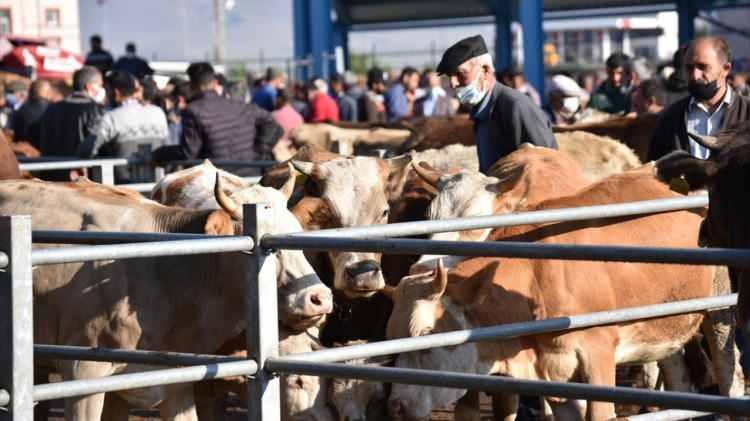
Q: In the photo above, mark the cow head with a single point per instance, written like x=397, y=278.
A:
x=303, y=299
x=354, y=189
x=354, y=399
x=420, y=308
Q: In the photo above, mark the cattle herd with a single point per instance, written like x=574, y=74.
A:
x=330, y=299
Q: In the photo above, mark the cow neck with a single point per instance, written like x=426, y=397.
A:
x=181, y=220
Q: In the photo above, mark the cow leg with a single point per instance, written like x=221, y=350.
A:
x=467, y=408
x=115, y=408
x=208, y=405
x=85, y=408
x=598, y=368
x=504, y=406
x=569, y=410
x=675, y=373
x=179, y=404
x=651, y=375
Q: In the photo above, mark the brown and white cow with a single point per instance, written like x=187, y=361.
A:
x=150, y=303
x=489, y=291
x=193, y=188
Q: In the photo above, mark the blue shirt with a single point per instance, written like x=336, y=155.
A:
x=265, y=97
x=698, y=119
x=487, y=150
x=396, y=104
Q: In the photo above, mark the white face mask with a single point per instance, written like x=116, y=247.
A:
x=101, y=95
x=571, y=104
x=470, y=94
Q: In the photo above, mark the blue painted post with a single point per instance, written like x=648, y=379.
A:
x=301, y=37
x=503, y=36
x=686, y=11
x=530, y=16
x=341, y=39
x=321, y=31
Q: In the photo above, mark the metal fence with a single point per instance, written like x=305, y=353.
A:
x=16, y=337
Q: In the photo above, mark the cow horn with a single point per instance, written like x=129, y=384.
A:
x=709, y=142
x=427, y=173
x=226, y=202
x=440, y=283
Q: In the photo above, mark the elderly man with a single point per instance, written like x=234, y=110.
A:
x=567, y=101
x=711, y=107
x=503, y=117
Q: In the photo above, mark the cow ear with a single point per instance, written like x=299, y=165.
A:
x=685, y=172
x=288, y=188
x=219, y=223
x=430, y=175
x=440, y=282
x=310, y=169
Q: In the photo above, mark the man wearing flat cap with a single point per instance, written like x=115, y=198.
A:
x=503, y=117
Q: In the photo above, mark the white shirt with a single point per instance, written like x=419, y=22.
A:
x=699, y=120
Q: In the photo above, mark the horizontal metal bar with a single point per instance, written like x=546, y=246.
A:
x=498, y=384
x=512, y=330
x=147, y=187
x=67, y=389
x=688, y=256
x=522, y=218
x=65, y=352
x=64, y=165
x=111, y=237
x=140, y=250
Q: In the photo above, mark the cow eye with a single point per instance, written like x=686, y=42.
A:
x=386, y=213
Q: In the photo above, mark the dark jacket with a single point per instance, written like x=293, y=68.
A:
x=368, y=110
x=219, y=128
x=27, y=123
x=101, y=59
x=515, y=119
x=671, y=134
x=134, y=65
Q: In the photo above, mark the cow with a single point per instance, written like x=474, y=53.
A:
x=489, y=291
x=150, y=303
x=323, y=136
x=724, y=174
x=193, y=188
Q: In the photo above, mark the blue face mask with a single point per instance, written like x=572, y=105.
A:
x=470, y=94
x=10, y=99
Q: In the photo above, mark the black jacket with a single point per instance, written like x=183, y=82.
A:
x=671, y=134
x=27, y=121
x=219, y=128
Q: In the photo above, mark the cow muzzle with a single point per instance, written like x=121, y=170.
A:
x=363, y=278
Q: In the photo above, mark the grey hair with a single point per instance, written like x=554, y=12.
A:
x=84, y=76
x=484, y=60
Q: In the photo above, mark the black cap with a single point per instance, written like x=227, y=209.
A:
x=461, y=51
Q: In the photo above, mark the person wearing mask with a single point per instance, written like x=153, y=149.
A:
x=133, y=64
x=347, y=105
x=613, y=95
x=372, y=103
x=566, y=101
x=711, y=107
x=265, y=95
x=503, y=117
x=98, y=56
x=649, y=97
x=6, y=111
x=435, y=102
x=16, y=92
x=400, y=97
x=322, y=107
x=215, y=127
x=27, y=120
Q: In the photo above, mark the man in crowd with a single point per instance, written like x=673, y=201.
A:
x=219, y=128
x=98, y=56
x=372, y=102
x=711, y=107
x=16, y=92
x=347, y=105
x=27, y=120
x=133, y=64
x=400, y=97
x=435, y=102
x=649, y=97
x=613, y=95
x=566, y=101
x=503, y=117
x=128, y=128
x=265, y=96
x=289, y=119
x=6, y=111
x=69, y=122
x=322, y=107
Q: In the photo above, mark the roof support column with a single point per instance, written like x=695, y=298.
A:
x=320, y=36
x=503, y=37
x=301, y=38
x=530, y=17
x=687, y=11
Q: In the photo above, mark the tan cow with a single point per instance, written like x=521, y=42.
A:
x=323, y=136
x=489, y=291
x=150, y=303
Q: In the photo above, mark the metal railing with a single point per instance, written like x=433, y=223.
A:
x=16, y=344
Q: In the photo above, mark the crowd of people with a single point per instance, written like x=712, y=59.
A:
x=115, y=109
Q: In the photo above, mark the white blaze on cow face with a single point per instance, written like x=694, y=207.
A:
x=420, y=308
x=355, y=191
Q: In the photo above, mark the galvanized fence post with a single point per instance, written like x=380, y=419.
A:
x=108, y=174
x=16, y=324
x=264, y=398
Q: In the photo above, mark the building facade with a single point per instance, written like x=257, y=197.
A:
x=55, y=21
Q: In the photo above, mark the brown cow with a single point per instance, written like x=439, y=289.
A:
x=490, y=291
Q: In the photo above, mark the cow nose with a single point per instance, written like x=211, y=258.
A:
x=319, y=302
x=396, y=407
x=363, y=267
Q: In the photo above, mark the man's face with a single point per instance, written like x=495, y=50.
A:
x=337, y=87
x=433, y=80
x=518, y=81
x=703, y=65
x=411, y=82
x=96, y=44
x=616, y=76
x=465, y=74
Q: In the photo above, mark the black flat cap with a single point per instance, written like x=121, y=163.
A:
x=461, y=51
